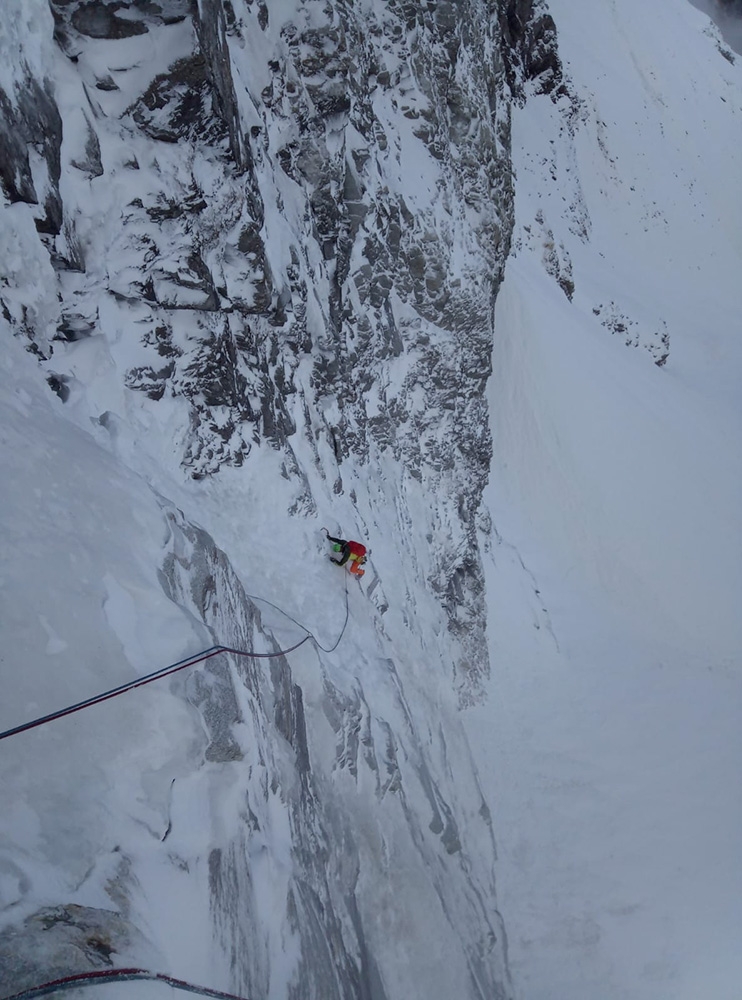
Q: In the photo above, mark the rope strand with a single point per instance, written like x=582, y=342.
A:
x=116, y=976
x=190, y=661
x=316, y=641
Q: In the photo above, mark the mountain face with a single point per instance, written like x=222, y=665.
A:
x=305, y=241
x=254, y=250
x=409, y=273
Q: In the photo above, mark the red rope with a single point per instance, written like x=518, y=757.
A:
x=117, y=975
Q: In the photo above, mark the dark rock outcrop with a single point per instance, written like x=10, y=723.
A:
x=530, y=46
x=72, y=939
x=30, y=120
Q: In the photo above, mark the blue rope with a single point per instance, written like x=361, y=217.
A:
x=190, y=661
x=318, y=644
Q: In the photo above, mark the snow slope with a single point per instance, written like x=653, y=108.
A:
x=129, y=806
x=324, y=825
x=82, y=610
x=297, y=827
x=611, y=741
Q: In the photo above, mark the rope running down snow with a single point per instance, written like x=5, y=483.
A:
x=116, y=976
x=190, y=661
x=318, y=644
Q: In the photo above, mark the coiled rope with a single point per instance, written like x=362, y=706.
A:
x=116, y=976
x=190, y=661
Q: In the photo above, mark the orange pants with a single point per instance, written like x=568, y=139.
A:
x=353, y=566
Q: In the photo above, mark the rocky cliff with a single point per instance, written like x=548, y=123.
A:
x=282, y=227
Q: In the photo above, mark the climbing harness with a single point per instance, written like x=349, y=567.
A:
x=354, y=554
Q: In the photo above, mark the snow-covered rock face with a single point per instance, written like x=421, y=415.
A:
x=249, y=253
x=253, y=245
x=291, y=222
x=727, y=14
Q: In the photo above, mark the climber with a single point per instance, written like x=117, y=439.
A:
x=353, y=553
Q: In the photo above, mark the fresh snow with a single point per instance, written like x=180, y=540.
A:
x=607, y=748
x=611, y=738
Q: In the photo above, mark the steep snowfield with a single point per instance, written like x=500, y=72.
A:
x=323, y=826
x=126, y=805
x=302, y=828
x=611, y=739
x=82, y=610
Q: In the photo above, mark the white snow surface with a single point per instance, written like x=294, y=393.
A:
x=128, y=811
x=608, y=745
x=611, y=739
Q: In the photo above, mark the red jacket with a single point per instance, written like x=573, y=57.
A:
x=357, y=550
